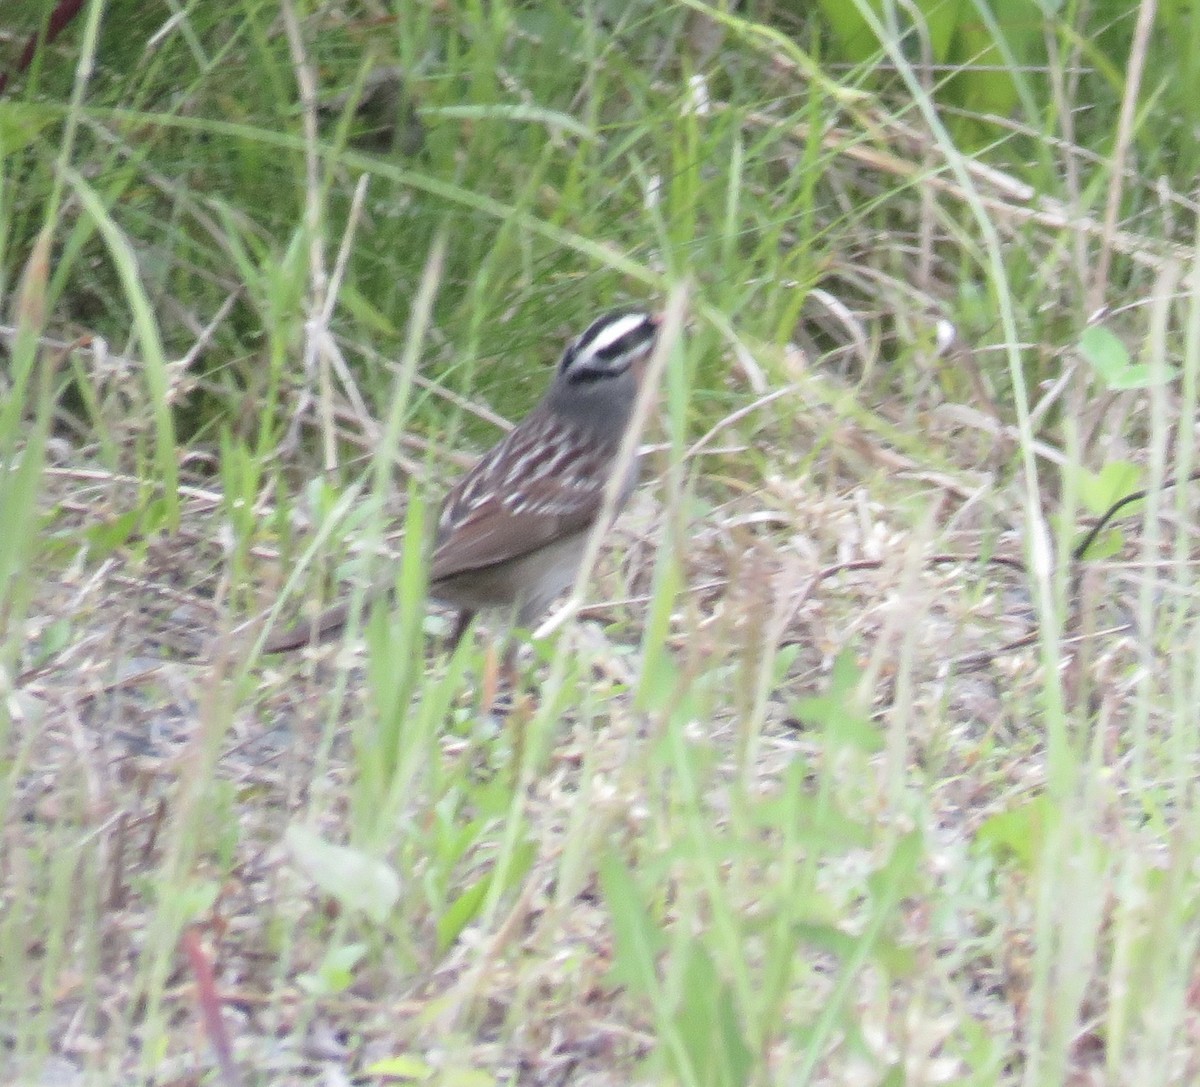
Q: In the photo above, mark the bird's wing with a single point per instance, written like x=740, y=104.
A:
x=545, y=480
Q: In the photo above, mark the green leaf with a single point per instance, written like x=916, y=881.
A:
x=1020, y=833
x=1104, y=352
x=462, y=911
x=355, y=879
x=637, y=939
x=466, y=906
x=404, y=1068
x=154, y=368
x=818, y=823
x=1109, y=543
x=336, y=972
x=1108, y=356
x=855, y=37
x=105, y=537
x=839, y=711
x=708, y=1026
x=1100, y=490
x=21, y=124
x=897, y=878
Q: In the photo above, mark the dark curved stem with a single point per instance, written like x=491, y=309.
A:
x=60, y=18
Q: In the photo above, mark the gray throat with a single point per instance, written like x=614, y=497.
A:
x=602, y=407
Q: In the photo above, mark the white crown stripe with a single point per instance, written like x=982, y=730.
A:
x=609, y=333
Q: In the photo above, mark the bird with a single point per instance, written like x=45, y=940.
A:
x=512, y=531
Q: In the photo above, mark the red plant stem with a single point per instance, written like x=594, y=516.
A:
x=210, y=1005
x=60, y=17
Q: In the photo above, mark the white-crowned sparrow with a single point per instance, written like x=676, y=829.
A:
x=512, y=531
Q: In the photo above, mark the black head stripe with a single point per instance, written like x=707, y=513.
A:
x=628, y=343
x=595, y=353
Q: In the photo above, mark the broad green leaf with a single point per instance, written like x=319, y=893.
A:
x=1108, y=356
x=21, y=124
x=1020, y=833
x=1099, y=490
